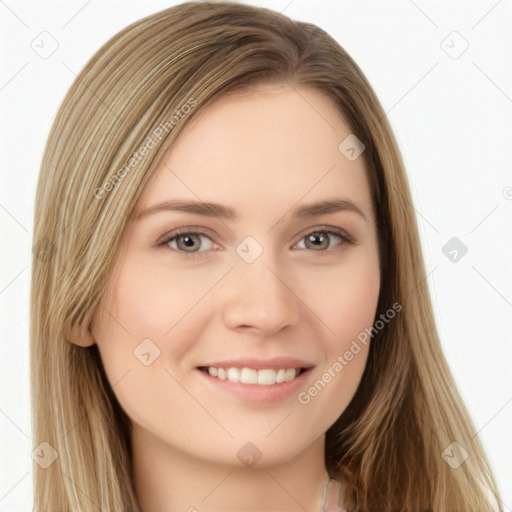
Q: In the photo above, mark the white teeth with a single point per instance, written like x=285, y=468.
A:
x=289, y=374
x=249, y=376
x=233, y=374
x=264, y=377
x=267, y=377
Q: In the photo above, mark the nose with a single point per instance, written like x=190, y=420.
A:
x=260, y=299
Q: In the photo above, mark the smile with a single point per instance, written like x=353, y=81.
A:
x=262, y=377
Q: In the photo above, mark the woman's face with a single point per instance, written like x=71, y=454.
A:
x=266, y=278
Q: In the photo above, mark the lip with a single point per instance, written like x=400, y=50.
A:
x=255, y=392
x=274, y=363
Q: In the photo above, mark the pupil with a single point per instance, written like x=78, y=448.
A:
x=316, y=240
x=188, y=241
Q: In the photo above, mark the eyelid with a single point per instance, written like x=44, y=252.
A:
x=348, y=238
x=182, y=231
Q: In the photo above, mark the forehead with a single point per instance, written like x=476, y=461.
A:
x=262, y=151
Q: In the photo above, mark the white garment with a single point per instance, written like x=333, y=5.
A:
x=332, y=497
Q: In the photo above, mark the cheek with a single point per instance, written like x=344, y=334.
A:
x=155, y=296
x=353, y=304
x=344, y=297
x=346, y=306
x=145, y=319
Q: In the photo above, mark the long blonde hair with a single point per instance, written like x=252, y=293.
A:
x=387, y=447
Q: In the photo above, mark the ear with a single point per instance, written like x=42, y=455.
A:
x=81, y=336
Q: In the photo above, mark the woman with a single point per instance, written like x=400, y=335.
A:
x=230, y=290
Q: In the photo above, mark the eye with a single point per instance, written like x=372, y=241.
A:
x=320, y=240
x=187, y=241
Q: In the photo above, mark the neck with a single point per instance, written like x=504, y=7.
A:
x=166, y=478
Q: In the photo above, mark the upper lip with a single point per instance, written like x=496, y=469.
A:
x=274, y=363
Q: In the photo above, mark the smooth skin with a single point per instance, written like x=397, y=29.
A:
x=262, y=153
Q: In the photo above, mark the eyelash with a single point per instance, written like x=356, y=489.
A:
x=346, y=238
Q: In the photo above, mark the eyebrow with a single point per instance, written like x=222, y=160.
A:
x=209, y=209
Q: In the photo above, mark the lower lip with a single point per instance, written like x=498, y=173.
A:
x=257, y=393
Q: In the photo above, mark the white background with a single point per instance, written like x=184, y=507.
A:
x=452, y=119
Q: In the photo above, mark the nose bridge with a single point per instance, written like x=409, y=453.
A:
x=259, y=295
